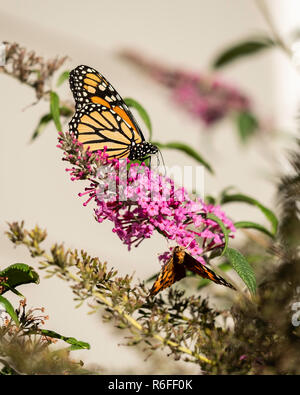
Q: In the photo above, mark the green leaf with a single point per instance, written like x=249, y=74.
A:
x=7, y=370
x=75, y=344
x=9, y=309
x=249, y=200
x=187, y=150
x=216, y=219
x=210, y=199
x=45, y=119
x=242, y=49
x=19, y=274
x=62, y=78
x=242, y=267
x=37, y=73
x=146, y=161
x=257, y=258
x=65, y=111
x=54, y=110
x=142, y=112
x=253, y=225
x=152, y=277
x=43, y=122
x=247, y=124
x=225, y=191
x=8, y=288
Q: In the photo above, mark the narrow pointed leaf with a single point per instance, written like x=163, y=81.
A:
x=45, y=119
x=43, y=122
x=249, y=200
x=242, y=267
x=9, y=288
x=75, y=344
x=210, y=199
x=66, y=111
x=247, y=125
x=216, y=219
x=253, y=225
x=152, y=277
x=54, y=110
x=187, y=150
x=9, y=309
x=142, y=112
x=62, y=78
x=242, y=49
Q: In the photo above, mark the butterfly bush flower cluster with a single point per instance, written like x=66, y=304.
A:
x=139, y=202
x=205, y=97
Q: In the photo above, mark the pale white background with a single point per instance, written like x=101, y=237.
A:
x=188, y=34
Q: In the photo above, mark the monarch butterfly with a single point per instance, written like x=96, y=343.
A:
x=102, y=119
x=175, y=269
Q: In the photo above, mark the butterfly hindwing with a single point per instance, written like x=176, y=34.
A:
x=97, y=126
x=169, y=274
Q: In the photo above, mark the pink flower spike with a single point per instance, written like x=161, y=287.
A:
x=138, y=202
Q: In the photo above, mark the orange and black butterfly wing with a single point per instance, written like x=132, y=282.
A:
x=196, y=267
x=89, y=86
x=96, y=127
x=169, y=274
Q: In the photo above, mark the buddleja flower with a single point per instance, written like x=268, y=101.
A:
x=139, y=202
x=205, y=97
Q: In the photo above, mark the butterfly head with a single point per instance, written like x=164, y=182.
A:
x=142, y=150
x=179, y=254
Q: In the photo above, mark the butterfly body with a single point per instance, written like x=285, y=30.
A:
x=102, y=119
x=175, y=269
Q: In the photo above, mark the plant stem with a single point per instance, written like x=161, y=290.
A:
x=130, y=320
x=262, y=6
x=134, y=323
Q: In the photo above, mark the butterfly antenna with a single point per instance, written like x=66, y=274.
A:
x=187, y=246
x=159, y=154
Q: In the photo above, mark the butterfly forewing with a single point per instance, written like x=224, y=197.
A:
x=196, y=267
x=89, y=88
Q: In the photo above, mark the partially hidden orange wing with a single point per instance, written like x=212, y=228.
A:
x=175, y=269
x=171, y=272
